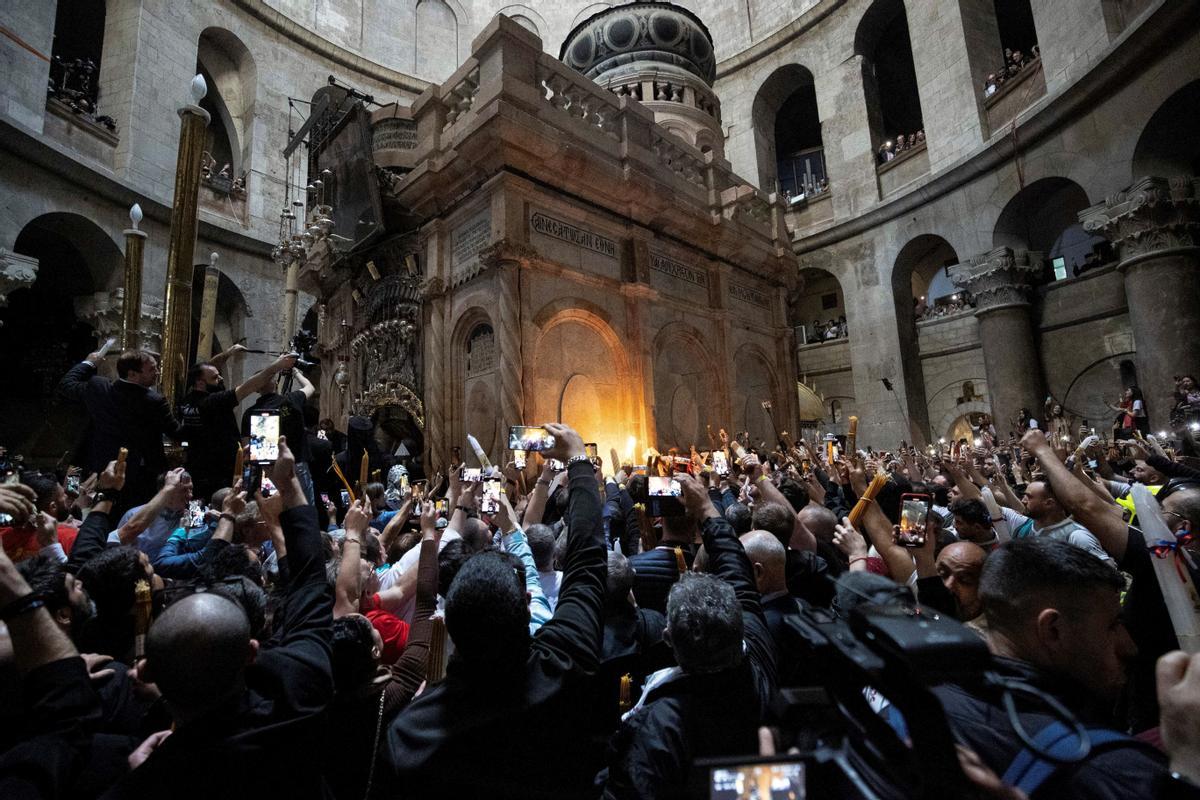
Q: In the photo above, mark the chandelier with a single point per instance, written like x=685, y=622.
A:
x=297, y=238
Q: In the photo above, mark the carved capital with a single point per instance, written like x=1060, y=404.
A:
x=16, y=272
x=505, y=251
x=1150, y=217
x=434, y=288
x=103, y=311
x=998, y=279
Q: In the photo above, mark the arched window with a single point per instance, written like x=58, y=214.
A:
x=787, y=131
x=1168, y=145
x=1044, y=217
x=481, y=350
x=1014, y=18
x=889, y=76
x=231, y=76
x=437, y=40
x=75, y=55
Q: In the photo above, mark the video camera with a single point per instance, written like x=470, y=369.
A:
x=302, y=344
x=862, y=720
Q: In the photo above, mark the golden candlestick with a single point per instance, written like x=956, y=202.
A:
x=208, y=310
x=177, y=298
x=131, y=305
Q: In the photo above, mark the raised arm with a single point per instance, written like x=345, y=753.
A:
x=536, y=506
x=93, y=533
x=349, y=579
x=1103, y=519
x=409, y=672
x=74, y=384
x=576, y=630
x=176, y=485
x=515, y=542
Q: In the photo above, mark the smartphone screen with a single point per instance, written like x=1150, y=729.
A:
x=556, y=465
x=519, y=459
x=530, y=438
x=345, y=498
x=914, y=511
x=765, y=780
x=470, y=475
x=268, y=488
x=324, y=498
x=489, y=503
x=264, y=437
x=720, y=462
x=442, y=507
x=661, y=486
x=591, y=450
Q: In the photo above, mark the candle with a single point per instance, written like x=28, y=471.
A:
x=860, y=507
x=852, y=436
x=122, y=454
x=239, y=460
x=363, y=466
x=482, y=456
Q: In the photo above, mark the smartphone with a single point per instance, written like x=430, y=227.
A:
x=72, y=484
x=268, y=488
x=251, y=478
x=519, y=459
x=470, y=475
x=720, y=462
x=556, y=465
x=442, y=507
x=781, y=779
x=591, y=450
x=489, y=503
x=264, y=436
x=404, y=485
x=530, y=438
x=345, y=498
x=665, y=494
x=914, y=511
x=324, y=498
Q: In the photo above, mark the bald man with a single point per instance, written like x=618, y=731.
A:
x=246, y=718
x=820, y=522
x=769, y=560
x=959, y=565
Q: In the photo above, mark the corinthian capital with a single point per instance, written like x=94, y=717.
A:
x=1154, y=215
x=16, y=272
x=998, y=279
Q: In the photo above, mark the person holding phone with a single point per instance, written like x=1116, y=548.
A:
x=208, y=422
x=290, y=408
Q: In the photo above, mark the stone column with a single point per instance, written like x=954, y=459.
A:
x=505, y=258
x=135, y=248
x=1001, y=282
x=437, y=365
x=1155, y=227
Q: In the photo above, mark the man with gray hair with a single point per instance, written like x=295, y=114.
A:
x=712, y=703
x=769, y=560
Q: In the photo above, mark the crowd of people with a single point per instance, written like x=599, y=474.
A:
x=1015, y=62
x=943, y=307
x=201, y=631
x=826, y=332
x=903, y=143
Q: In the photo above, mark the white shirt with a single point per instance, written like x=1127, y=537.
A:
x=1072, y=532
x=550, y=581
x=409, y=561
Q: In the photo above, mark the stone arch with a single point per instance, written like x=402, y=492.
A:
x=819, y=300
x=437, y=33
x=1044, y=217
x=1168, y=145
x=946, y=425
x=889, y=75
x=920, y=265
x=527, y=18
x=579, y=374
x=1015, y=23
x=50, y=325
x=232, y=77
x=684, y=375
x=787, y=128
x=754, y=381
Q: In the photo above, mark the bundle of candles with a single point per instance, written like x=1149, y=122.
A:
x=867, y=498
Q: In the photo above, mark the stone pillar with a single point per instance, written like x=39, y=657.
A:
x=505, y=258
x=1001, y=282
x=1155, y=227
x=16, y=272
x=437, y=377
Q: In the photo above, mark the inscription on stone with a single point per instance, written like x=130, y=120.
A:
x=395, y=134
x=677, y=270
x=556, y=228
x=748, y=294
x=470, y=238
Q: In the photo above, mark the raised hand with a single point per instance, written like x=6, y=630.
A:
x=18, y=501
x=358, y=518
x=567, y=443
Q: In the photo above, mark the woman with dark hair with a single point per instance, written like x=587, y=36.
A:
x=1131, y=414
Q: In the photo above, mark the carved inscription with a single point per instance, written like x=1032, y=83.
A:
x=395, y=134
x=556, y=228
x=481, y=351
x=470, y=239
x=748, y=294
x=677, y=270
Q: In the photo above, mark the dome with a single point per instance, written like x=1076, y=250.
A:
x=660, y=33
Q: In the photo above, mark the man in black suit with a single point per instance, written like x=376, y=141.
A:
x=769, y=559
x=127, y=413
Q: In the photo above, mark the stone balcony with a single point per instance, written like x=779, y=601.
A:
x=1017, y=94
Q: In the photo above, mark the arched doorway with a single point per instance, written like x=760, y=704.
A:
x=787, y=134
x=920, y=283
x=1044, y=217
x=42, y=335
x=1169, y=145
x=889, y=76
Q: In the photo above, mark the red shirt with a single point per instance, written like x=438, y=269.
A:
x=21, y=543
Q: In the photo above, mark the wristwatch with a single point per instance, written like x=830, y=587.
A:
x=102, y=497
x=578, y=459
x=22, y=605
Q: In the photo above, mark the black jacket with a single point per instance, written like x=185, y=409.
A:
x=789, y=649
x=978, y=720
x=269, y=745
x=495, y=730
x=696, y=716
x=123, y=414
x=655, y=572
